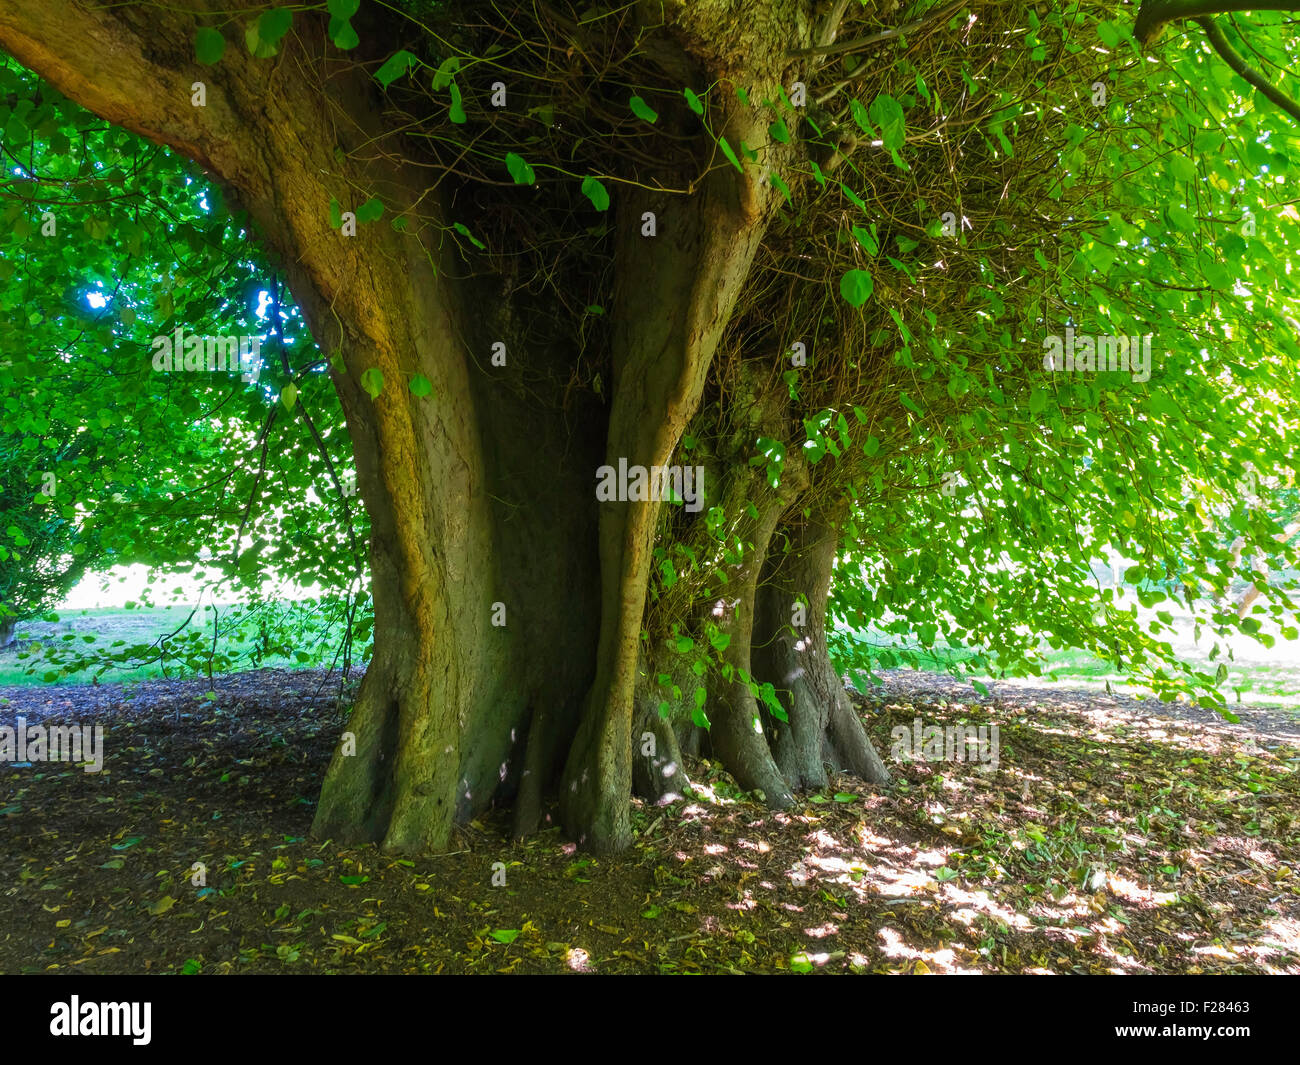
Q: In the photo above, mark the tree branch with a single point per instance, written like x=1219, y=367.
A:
x=135, y=68
x=877, y=38
x=1153, y=14
x=1248, y=73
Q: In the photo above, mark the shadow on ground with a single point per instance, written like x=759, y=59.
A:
x=1113, y=837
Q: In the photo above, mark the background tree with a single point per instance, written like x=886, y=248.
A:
x=106, y=243
x=44, y=555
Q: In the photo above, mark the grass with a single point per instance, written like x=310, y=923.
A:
x=98, y=628
x=1257, y=674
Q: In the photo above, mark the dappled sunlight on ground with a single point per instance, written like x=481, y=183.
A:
x=1105, y=842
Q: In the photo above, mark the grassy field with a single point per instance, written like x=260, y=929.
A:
x=94, y=629
x=1258, y=674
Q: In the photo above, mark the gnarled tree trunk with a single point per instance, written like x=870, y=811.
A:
x=508, y=606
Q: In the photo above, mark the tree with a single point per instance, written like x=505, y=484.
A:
x=41, y=565
x=109, y=245
x=548, y=247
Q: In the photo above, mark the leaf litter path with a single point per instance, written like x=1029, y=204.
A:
x=1114, y=837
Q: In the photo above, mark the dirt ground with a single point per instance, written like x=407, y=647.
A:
x=1113, y=837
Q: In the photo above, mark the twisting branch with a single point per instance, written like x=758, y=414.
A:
x=1248, y=73
x=1153, y=14
x=827, y=48
x=832, y=24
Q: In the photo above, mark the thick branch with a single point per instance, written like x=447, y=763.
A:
x=135, y=68
x=1153, y=14
x=1238, y=64
x=1254, y=591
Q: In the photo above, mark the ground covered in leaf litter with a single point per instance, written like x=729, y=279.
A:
x=1114, y=837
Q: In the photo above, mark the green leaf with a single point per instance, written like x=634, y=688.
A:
x=463, y=230
x=342, y=8
x=274, y=24
x=643, y=110
x=856, y=287
x=421, y=386
x=209, y=46
x=854, y=198
x=395, y=66
x=1182, y=168
x=779, y=131
x=595, y=192
x=336, y=213
x=353, y=880
x=726, y=150
x=372, y=380
x=370, y=211
x=446, y=73
x=1181, y=218
x=457, y=111
x=860, y=117
x=163, y=905
x=289, y=395
x=520, y=170
x=263, y=36
x=342, y=34
x=505, y=935
x=887, y=114
x=693, y=101
x=866, y=240
x=779, y=184
x=259, y=48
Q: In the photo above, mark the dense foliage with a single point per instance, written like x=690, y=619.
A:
x=107, y=242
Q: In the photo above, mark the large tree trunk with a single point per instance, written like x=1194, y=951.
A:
x=479, y=649
x=465, y=489
x=481, y=495
x=674, y=295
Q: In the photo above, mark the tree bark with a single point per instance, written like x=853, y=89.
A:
x=823, y=731
x=673, y=297
x=736, y=735
x=658, y=766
